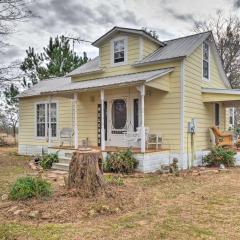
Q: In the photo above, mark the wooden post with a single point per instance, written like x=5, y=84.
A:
x=49, y=122
x=102, y=121
x=75, y=122
x=143, y=137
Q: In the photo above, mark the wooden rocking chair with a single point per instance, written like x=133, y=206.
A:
x=222, y=139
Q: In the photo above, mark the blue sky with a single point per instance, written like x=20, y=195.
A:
x=89, y=19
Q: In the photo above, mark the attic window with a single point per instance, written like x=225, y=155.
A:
x=119, y=51
x=206, y=61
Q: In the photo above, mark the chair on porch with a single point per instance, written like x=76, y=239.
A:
x=221, y=138
x=66, y=135
x=155, y=140
x=133, y=138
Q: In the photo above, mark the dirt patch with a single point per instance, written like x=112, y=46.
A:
x=65, y=207
x=201, y=204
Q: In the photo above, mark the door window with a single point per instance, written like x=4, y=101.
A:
x=119, y=114
x=217, y=114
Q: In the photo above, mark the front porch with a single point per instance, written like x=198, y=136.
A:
x=149, y=161
x=118, y=114
x=121, y=113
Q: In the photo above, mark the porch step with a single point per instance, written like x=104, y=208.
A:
x=64, y=160
x=60, y=166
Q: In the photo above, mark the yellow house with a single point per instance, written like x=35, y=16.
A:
x=137, y=87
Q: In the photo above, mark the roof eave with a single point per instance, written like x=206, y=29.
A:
x=85, y=73
x=221, y=91
x=94, y=88
x=127, y=30
x=157, y=62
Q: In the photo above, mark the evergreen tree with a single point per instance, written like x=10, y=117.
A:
x=56, y=60
x=11, y=107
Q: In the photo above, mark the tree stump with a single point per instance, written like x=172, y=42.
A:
x=85, y=173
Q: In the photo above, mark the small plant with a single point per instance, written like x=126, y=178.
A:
x=219, y=156
x=114, y=180
x=48, y=159
x=29, y=187
x=120, y=162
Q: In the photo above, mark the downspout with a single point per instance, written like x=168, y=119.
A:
x=182, y=102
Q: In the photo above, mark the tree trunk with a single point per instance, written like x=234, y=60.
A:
x=85, y=173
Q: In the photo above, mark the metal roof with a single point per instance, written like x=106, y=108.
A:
x=65, y=84
x=176, y=48
x=112, y=81
x=45, y=85
x=89, y=67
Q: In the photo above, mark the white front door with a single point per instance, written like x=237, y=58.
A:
x=119, y=119
x=122, y=116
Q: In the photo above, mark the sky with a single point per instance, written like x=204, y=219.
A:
x=89, y=19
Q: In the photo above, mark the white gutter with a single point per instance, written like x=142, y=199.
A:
x=221, y=91
x=182, y=101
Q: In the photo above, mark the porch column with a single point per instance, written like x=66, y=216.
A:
x=143, y=137
x=49, y=122
x=102, y=121
x=75, y=122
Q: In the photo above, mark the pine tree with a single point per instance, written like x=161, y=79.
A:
x=11, y=107
x=56, y=60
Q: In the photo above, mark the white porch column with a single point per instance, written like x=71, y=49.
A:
x=102, y=121
x=143, y=137
x=75, y=121
x=49, y=122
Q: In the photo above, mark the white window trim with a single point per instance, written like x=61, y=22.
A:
x=209, y=62
x=125, y=38
x=35, y=120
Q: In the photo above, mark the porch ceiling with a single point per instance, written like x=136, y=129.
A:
x=113, y=81
x=228, y=96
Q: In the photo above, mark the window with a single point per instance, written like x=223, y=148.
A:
x=205, y=61
x=119, y=114
x=53, y=116
x=231, y=113
x=135, y=112
x=217, y=115
x=42, y=120
x=119, y=51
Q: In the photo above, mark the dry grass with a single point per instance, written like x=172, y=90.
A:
x=160, y=207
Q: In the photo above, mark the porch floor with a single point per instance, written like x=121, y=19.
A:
x=113, y=149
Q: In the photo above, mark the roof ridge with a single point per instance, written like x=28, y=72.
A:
x=191, y=35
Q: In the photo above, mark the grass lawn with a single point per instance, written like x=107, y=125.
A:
x=152, y=207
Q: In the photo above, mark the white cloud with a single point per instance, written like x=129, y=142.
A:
x=90, y=19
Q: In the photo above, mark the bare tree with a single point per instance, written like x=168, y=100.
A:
x=11, y=12
x=226, y=31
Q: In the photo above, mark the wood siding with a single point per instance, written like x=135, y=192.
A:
x=27, y=121
x=194, y=106
x=133, y=57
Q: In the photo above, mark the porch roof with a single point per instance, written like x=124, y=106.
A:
x=230, y=97
x=120, y=80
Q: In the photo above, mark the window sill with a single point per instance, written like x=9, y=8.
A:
x=118, y=64
x=206, y=79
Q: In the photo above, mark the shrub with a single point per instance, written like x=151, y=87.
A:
x=120, y=162
x=219, y=156
x=114, y=180
x=48, y=159
x=29, y=187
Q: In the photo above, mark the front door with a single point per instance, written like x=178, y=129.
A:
x=118, y=121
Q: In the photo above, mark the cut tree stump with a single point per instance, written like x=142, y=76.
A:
x=85, y=173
